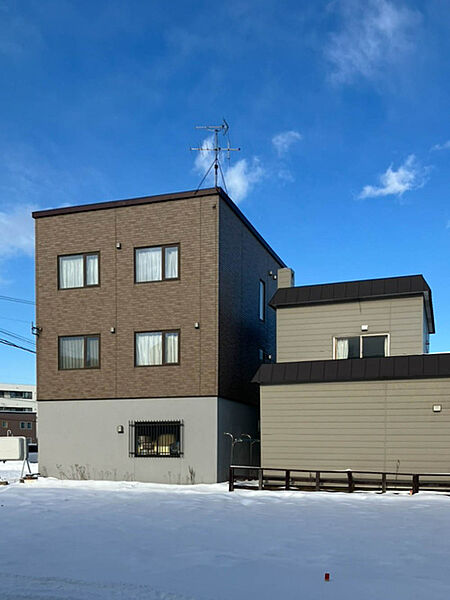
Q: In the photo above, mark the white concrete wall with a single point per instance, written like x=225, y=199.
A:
x=79, y=440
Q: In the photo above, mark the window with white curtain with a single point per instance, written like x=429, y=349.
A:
x=156, y=263
x=78, y=270
x=362, y=346
x=79, y=352
x=154, y=348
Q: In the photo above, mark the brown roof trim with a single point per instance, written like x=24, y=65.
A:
x=350, y=291
x=420, y=366
x=161, y=198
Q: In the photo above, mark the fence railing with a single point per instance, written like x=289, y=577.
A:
x=271, y=478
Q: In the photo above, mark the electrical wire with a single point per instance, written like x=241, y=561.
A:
x=18, y=337
x=21, y=300
x=8, y=343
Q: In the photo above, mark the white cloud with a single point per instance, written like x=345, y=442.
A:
x=409, y=176
x=16, y=232
x=374, y=35
x=444, y=146
x=284, y=140
x=240, y=177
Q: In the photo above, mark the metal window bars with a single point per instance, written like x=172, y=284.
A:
x=156, y=439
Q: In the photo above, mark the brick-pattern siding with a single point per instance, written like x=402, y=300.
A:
x=128, y=307
x=210, y=365
x=243, y=262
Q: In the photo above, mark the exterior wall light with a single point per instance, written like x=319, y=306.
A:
x=437, y=408
x=120, y=429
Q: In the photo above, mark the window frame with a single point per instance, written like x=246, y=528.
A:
x=85, y=336
x=387, y=343
x=163, y=347
x=84, y=255
x=262, y=286
x=132, y=438
x=163, y=262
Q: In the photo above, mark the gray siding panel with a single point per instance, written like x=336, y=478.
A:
x=372, y=425
x=306, y=332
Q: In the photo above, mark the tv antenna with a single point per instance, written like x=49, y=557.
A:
x=216, y=129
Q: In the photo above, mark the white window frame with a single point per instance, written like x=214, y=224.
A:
x=387, y=342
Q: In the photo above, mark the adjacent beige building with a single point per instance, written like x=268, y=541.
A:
x=354, y=386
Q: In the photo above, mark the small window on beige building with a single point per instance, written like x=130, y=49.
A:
x=361, y=346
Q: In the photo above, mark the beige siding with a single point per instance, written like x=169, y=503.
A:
x=372, y=425
x=307, y=332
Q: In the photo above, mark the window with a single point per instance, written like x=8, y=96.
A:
x=154, y=348
x=156, y=263
x=29, y=425
x=78, y=270
x=156, y=438
x=263, y=356
x=25, y=425
x=4, y=424
x=262, y=300
x=79, y=352
x=28, y=395
x=361, y=346
x=22, y=425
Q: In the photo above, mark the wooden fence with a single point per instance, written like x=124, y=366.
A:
x=264, y=478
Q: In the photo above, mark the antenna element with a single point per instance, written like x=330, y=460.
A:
x=216, y=129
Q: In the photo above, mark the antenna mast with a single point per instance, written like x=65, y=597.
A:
x=216, y=129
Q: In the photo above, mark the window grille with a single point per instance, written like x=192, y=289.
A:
x=156, y=439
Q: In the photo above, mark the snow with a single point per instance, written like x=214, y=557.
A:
x=91, y=540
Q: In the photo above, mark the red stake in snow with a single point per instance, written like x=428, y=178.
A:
x=327, y=577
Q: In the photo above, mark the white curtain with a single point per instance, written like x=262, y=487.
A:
x=71, y=271
x=342, y=348
x=92, y=269
x=171, y=348
x=148, y=349
x=92, y=358
x=148, y=264
x=71, y=353
x=171, y=262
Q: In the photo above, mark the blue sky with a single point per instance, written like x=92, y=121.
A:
x=340, y=108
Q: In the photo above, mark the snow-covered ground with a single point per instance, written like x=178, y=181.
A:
x=88, y=540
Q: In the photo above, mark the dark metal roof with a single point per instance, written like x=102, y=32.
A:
x=161, y=198
x=421, y=366
x=365, y=289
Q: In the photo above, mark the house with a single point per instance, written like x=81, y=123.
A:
x=18, y=409
x=354, y=386
x=153, y=319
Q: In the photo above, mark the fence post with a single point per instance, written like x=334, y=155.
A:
x=383, y=483
x=415, y=485
x=351, y=483
x=318, y=481
x=231, y=480
x=260, y=478
x=287, y=479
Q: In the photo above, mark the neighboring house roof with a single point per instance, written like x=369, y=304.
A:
x=419, y=366
x=161, y=198
x=348, y=291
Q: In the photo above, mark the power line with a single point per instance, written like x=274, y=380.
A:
x=13, y=319
x=21, y=300
x=8, y=343
x=18, y=337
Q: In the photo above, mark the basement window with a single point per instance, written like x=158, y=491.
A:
x=361, y=346
x=156, y=439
